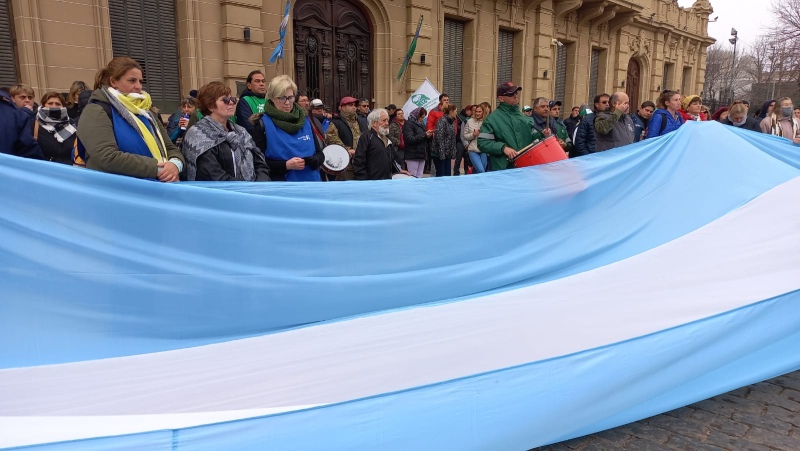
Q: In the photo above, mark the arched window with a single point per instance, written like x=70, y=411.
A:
x=8, y=54
x=146, y=31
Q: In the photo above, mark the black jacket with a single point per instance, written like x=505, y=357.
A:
x=751, y=124
x=415, y=139
x=277, y=168
x=216, y=165
x=572, y=124
x=59, y=152
x=374, y=160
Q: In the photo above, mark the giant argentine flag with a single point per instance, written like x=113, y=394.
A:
x=499, y=311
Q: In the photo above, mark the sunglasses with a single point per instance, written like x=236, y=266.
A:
x=229, y=100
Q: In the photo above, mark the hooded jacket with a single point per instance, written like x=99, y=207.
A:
x=764, y=110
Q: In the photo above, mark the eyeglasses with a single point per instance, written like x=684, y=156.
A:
x=229, y=100
x=285, y=99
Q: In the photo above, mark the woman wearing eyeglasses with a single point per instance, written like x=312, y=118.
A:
x=216, y=149
x=120, y=133
x=284, y=134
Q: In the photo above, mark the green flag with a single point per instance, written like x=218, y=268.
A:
x=411, y=50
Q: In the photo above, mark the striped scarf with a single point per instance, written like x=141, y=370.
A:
x=133, y=106
x=777, y=130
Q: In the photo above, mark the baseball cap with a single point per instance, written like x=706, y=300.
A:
x=526, y=108
x=316, y=103
x=348, y=100
x=554, y=103
x=507, y=89
x=585, y=110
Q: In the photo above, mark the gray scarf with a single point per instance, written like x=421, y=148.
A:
x=207, y=134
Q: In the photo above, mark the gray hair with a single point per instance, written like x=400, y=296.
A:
x=540, y=100
x=375, y=115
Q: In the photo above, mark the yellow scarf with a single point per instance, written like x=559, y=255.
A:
x=140, y=104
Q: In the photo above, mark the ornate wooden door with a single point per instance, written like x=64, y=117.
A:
x=632, y=84
x=333, y=50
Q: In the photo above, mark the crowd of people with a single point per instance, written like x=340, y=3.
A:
x=276, y=133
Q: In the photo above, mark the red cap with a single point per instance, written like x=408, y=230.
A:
x=507, y=89
x=348, y=100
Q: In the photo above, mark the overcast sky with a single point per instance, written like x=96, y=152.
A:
x=749, y=17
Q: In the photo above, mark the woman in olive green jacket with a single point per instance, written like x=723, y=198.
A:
x=120, y=134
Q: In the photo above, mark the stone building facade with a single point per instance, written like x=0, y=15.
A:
x=563, y=49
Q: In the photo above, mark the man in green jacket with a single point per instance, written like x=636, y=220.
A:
x=561, y=127
x=506, y=131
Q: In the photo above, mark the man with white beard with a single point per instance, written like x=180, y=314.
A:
x=375, y=157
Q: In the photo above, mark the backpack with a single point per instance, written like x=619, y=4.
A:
x=78, y=149
x=664, y=122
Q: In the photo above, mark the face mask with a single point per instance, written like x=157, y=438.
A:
x=787, y=110
x=739, y=124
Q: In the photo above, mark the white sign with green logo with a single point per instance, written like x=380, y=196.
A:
x=426, y=96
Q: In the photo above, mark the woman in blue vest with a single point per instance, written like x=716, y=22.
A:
x=285, y=135
x=120, y=133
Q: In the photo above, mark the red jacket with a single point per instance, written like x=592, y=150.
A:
x=433, y=117
x=687, y=117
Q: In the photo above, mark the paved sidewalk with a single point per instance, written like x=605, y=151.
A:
x=763, y=416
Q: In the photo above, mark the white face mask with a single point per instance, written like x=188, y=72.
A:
x=739, y=124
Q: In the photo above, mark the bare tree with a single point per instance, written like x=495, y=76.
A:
x=775, y=68
x=787, y=13
x=726, y=78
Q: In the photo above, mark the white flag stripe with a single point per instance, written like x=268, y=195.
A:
x=745, y=257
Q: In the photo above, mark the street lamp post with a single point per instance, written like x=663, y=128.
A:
x=733, y=40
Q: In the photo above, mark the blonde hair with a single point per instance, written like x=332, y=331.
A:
x=20, y=89
x=737, y=108
x=279, y=85
x=75, y=91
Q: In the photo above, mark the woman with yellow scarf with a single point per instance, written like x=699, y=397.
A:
x=120, y=133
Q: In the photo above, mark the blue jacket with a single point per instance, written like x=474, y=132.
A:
x=585, y=141
x=639, y=126
x=16, y=132
x=654, y=128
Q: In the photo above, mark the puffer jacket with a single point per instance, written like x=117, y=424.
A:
x=585, y=142
x=468, y=135
x=505, y=126
x=415, y=139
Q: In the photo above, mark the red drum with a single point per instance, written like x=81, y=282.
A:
x=546, y=151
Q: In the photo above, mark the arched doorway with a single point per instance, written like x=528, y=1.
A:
x=633, y=82
x=333, y=50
